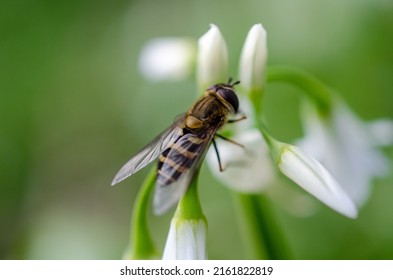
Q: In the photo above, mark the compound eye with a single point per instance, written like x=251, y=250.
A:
x=230, y=96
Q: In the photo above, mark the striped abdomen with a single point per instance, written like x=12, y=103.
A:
x=179, y=158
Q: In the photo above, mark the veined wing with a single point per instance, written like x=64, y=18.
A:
x=150, y=151
x=177, y=167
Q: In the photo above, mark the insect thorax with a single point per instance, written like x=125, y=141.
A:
x=207, y=112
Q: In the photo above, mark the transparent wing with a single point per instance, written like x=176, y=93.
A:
x=166, y=196
x=150, y=151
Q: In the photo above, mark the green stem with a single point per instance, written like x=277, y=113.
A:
x=276, y=243
x=264, y=237
x=189, y=206
x=252, y=226
x=319, y=93
x=256, y=97
x=141, y=242
x=275, y=146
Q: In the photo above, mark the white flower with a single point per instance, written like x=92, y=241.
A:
x=212, y=60
x=246, y=170
x=253, y=59
x=314, y=178
x=345, y=146
x=186, y=240
x=167, y=58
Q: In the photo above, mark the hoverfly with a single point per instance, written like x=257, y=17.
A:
x=182, y=147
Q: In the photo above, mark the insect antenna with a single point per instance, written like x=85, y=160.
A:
x=229, y=83
x=235, y=83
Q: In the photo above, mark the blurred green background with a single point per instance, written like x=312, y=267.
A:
x=73, y=109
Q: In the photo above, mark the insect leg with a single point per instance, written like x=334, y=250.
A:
x=218, y=155
x=243, y=117
x=229, y=140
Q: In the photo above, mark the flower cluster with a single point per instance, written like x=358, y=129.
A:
x=250, y=169
x=335, y=162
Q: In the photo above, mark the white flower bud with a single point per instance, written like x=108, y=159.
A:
x=315, y=179
x=253, y=59
x=212, y=61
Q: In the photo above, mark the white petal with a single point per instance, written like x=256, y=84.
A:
x=253, y=59
x=246, y=170
x=212, y=61
x=315, y=179
x=167, y=59
x=185, y=243
x=201, y=241
x=170, y=250
x=343, y=144
x=186, y=240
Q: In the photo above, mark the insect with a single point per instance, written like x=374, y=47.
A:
x=182, y=147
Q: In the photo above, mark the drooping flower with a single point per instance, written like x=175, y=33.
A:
x=310, y=175
x=186, y=240
x=345, y=146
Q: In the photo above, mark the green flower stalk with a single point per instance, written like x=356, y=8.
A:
x=141, y=245
x=319, y=94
